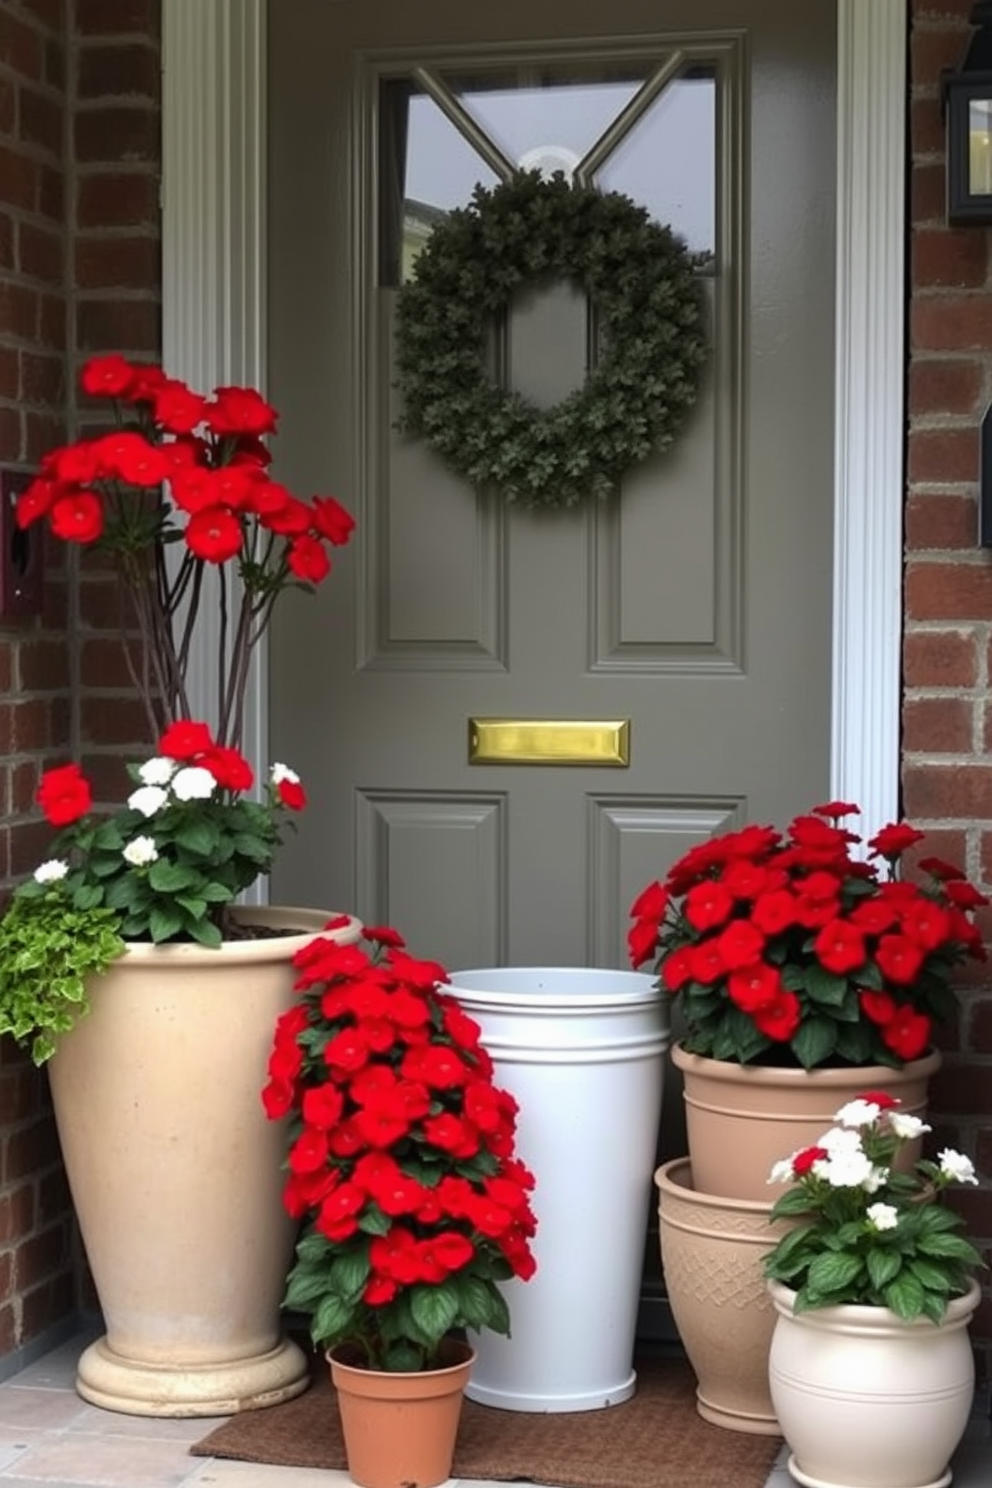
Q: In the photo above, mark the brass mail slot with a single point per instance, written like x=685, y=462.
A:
x=549, y=741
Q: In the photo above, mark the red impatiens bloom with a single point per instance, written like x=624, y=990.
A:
x=292, y=794
x=77, y=517
x=392, y=1107
x=804, y=1161
x=213, y=534
x=331, y=521
x=185, y=740
x=229, y=768
x=307, y=559
x=234, y=410
x=808, y=939
x=64, y=795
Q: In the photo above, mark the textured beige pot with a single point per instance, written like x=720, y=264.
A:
x=711, y=1252
x=175, y=1173
x=742, y=1118
x=867, y=1400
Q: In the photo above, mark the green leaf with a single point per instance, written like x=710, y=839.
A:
x=349, y=1273
x=883, y=1267
x=824, y=987
x=435, y=1308
x=905, y=1296
x=198, y=837
x=814, y=1040
x=332, y=1320
x=172, y=878
x=164, y=922
x=372, y=1221
x=832, y=1272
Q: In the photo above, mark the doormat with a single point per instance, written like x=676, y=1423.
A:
x=656, y=1439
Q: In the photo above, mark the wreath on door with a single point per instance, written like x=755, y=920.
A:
x=647, y=297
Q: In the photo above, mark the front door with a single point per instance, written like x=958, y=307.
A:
x=693, y=605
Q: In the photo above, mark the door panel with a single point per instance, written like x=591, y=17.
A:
x=695, y=603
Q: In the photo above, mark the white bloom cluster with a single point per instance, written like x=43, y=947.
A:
x=141, y=851
x=858, y=1113
x=280, y=772
x=956, y=1167
x=158, y=771
x=148, y=799
x=51, y=871
x=845, y=1168
x=906, y=1126
x=193, y=783
x=882, y=1216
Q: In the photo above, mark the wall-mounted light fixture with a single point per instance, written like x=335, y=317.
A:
x=968, y=119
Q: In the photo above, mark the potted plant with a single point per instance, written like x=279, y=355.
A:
x=412, y=1203
x=132, y=920
x=871, y=1371
x=804, y=967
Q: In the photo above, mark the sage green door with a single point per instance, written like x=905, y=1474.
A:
x=694, y=605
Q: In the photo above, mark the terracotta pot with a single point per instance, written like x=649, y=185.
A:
x=400, y=1429
x=740, y=1119
x=711, y=1252
x=867, y=1400
x=175, y=1173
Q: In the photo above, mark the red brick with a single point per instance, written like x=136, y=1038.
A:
x=938, y=726
x=939, y=658
x=20, y=177
x=107, y=774
x=949, y=591
x=118, y=263
x=8, y=105
x=946, y=322
x=43, y=665
x=36, y=1259
x=103, y=664
x=16, y=1213
x=51, y=195
x=928, y=193
x=20, y=46
x=964, y=1087
x=105, y=324
x=932, y=792
x=120, y=133
x=118, y=17
x=23, y=784
x=40, y=253
x=6, y=241
x=42, y=379
x=42, y=431
x=41, y=121
x=927, y=127
x=10, y=373
x=29, y=1150
x=946, y=385
x=933, y=51
x=952, y=257
x=120, y=199
x=11, y=441
x=118, y=71
x=55, y=58
x=19, y=1086
x=980, y=1026
x=943, y=455
x=52, y=322
x=113, y=720
x=48, y=1304
x=18, y=310
x=938, y=521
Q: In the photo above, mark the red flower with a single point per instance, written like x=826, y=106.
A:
x=899, y=959
x=291, y=519
x=332, y=521
x=395, y=1255
x=64, y=795
x=309, y=1152
x=641, y=939
x=893, y=840
x=346, y=1052
x=964, y=894
x=881, y=1098
x=908, y=1033
x=874, y=916
x=107, y=377
x=779, y=1019
x=185, y=740
x=307, y=559
x=35, y=501
x=755, y=987
x=927, y=924
x=804, y=1160
x=438, y=1067
x=77, y=518
x=707, y=962
x=938, y=868
x=130, y=457
x=384, y=935
x=835, y=809
x=840, y=947
x=322, y=1106
x=237, y=410
x=774, y=912
x=879, y=1007
x=213, y=534
x=277, y=1097
x=740, y=944
x=651, y=903
x=677, y=968
x=708, y=905
x=229, y=768
x=743, y=879
x=176, y=407
x=291, y=794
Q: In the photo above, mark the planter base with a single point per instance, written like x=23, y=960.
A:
x=546, y=1403
x=810, y=1482
x=138, y=1389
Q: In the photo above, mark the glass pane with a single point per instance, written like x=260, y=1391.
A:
x=980, y=146
x=547, y=118
x=426, y=167
x=668, y=160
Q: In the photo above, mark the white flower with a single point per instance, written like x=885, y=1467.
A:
x=782, y=1171
x=279, y=773
x=148, y=799
x=51, y=871
x=907, y=1126
x=851, y=1170
x=141, y=851
x=882, y=1216
x=858, y=1113
x=157, y=771
x=840, y=1139
x=956, y=1167
x=193, y=783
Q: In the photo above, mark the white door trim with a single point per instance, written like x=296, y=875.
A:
x=214, y=323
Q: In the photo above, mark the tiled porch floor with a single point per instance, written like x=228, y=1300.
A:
x=49, y=1436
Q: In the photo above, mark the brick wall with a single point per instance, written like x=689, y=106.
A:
x=79, y=273
x=947, y=714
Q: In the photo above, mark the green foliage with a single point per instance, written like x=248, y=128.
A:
x=647, y=295
x=48, y=947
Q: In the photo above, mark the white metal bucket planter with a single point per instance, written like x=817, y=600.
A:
x=583, y=1052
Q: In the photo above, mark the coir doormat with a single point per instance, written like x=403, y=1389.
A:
x=657, y=1439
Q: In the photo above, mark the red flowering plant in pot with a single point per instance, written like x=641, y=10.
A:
x=807, y=948
x=401, y=1158
x=179, y=487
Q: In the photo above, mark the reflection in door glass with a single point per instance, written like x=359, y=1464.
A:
x=668, y=160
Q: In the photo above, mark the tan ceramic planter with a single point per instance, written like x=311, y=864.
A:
x=175, y=1173
x=740, y=1119
x=711, y=1252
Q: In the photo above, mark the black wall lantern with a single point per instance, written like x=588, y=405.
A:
x=968, y=115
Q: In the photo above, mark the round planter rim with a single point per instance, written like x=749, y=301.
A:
x=667, y=1181
x=642, y=989
x=858, y=1313
x=733, y=1073
x=464, y=1352
x=262, y=948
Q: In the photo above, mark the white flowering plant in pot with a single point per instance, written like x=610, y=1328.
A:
x=165, y=867
x=864, y=1232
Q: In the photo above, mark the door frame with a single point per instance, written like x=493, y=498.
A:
x=214, y=310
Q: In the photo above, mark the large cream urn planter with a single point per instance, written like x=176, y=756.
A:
x=176, y=1172
x=867, y=1400
x=743, y=1118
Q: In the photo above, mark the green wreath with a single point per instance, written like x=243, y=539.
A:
x=648, y=297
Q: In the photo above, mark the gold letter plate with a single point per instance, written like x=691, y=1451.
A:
x=549, y=741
